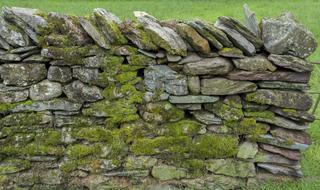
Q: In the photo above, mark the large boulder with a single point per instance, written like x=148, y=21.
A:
x=284, y=35
x=209, y=66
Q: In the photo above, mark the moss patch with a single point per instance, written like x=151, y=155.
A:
x=92, y=134
x=80, y=151
x=248, y=126
x=183, y=127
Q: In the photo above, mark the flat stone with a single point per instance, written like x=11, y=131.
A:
x=165, y=172
x=191, y=57
x=10, y=166
x=94, y=33
x=55, y=104
x=291, y=154
x=209, y=66
x=154, y=97
x=283, y=122
x=220, y=129
x=192, y=99
x=36, y=59
x=194, y=84
x=162, y=77
x=74, y=120
x=231, y=167
x=9, y=57
x=4, y=45
x=124, y=50
x=43, y=119
x=59, y=74
x=231, y=52
x=173, y=58
x=51, y=177
x=247, y=150
x=222, y=86
x=191, y=107
x=206, y=117
x=292, y=38
x=291, y=62
x=45, y=90
x=23, y=49
x=284, y=99
x=238, y=40
x=266, y=157
x=22, y=74
x=255, y=63
x=139, y=162
x=251, y=21
x=283, y=85
x=13, y=96
x=280, y=170
x=197, y=42
x=284, y=76
x=93, y=61
x=163, y=37
x=13, y=35
x=292, y=135
x=85, y=75
x=133, y=173
x=80, y=92
x=251, y=106
x=296, y=115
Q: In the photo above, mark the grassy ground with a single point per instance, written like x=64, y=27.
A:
x=307, y=12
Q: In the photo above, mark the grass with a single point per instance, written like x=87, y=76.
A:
x=307, y=12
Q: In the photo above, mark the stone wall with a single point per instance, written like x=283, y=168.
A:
x=99, y=103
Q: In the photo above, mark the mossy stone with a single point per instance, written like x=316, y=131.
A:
x=165, y=172
x=183, y=127
x=79, y=151
x=9, y=166
x=92, y=134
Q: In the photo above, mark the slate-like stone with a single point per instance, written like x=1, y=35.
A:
x=154, y=97
x=191, y=57
x=45, y=90
x=22, y=74
x=9, y=57
x=80, y=92
x=222, y=86
x=280, y=170
x=162, y=77
x=280, y=98
x=208, y=66
x=163, y=37
x=36, y=59
x=231, y=52
x=191, y=107
x=194, y=84
x=283, y=85
x=4, y=45
x=165, y=172
x=292, y=135
x=250, y=21
x=139, y=162
x=291, y=154
x=44, y=119
x=20, y=50
x=192, y=99
x=206, y=117
x=231, y=167
x=94, y=33
x=292, y=38
x=85, y=75
x=283, y=122
x=269, y=76
x=251, y=106
x=13, y=96
x=296, y=115
x=255, y=63
x=267, y=157
x=59, y=74
x=10, y=166
x=247, y=150
x=291, y=62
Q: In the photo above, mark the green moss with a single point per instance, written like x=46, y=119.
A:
x=72, y=165
x=117, y=50
x=227, y=112
x=22, y=119
x=252, y=97
x=127, y=77
x=9, y=166
x=289, y=111
x=140, y=59
x=195, y=167
x=248, y=126
x=183, y=127
x=55, y=40
x=92, y=134
x=260, y=114
x=49, y=137
x=5, y=107
x=33, y=149
x=214, y=146
x=80, y=151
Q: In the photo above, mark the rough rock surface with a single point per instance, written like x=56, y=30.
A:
x=80, y=92
x=45, y=90
x=291, y=62
x=208, y=66
x=255, y=63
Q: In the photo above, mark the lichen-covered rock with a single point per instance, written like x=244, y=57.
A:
x=86, y=75
x=191, y=57
x=59, y=74
x=161, y=77
x=80, y=92
x=108, y=24
x=51, y=177
x=10, y=166
x=231, y=52
x=214, y=86
x=206, y=117
x=9, y=57
x=94, y=33
x=11, y=96
x=280, y=170
x=250, y=21
x=267, y=157
x=209, y=66
x=291, y=154
x=296, y=115
x=22, y=74
x=280, y=98
x=255, y=63
x=247, y=150
x=140, y=59
x=139, y=162
x=284, y=76
x=291, y=62
x=283, y=85
x=291, y=37
x=163, y=37
x=165, y=172
x=231, y=167
x=27, y=119
x=193, y=38
x=283, y=122
x=192, y=99
x=45, y=90
x=291, y=135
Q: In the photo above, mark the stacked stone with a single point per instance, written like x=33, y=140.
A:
x=99, y=103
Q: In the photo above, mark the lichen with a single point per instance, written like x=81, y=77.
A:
x=227, y=112
x=22, y=119
x=247, y=126
x=5, y=107
x=92, y=134
x=140, y=59
x=183, y=127
x=32, y=149
x=79, y=151
x=49, y=137
x=260, y=114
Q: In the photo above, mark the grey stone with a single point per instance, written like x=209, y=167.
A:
x=51, y=177
x=283, y=85
x=80, y=92
x=194, y=84
x=29, y=53
x=291, y=62
x=153, y=97
x=280, y=170
x=206, y=117
x=45, y=90
x=4, y=44
x=191, y=107
x=9, y=57
x=284, y=76
x=251, y=106
x=192, y=99
x=44, y=119
x=296, y=115
x=173, y=58
x=139, y=162
x=191, y=57
x=165, y=172
x=162, y=77
x=292, y=135
x=291, y=154
x=22, y=74
x=292, y=38
x=269, y=139
x=93, y=61
x=23, y=49
x=247, y=150
x=86, y=75
x=250, y=21
x=222, y=86
x=255, y=63
x=164, y=37
x=282, y=122
x=13, y=35
x=94, y=33
x=266, y=157
x=59, y=74
x=133, y=173
x=280, y=98
x=209, y=66
x=231, y=52
x=220, y=129
x=13, y=96
x=36, y=59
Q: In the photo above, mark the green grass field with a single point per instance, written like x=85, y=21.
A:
x=306, y=11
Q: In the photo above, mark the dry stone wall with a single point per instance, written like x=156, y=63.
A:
x=99, y=103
